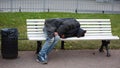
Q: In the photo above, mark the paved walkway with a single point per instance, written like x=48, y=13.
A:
x=65, y=59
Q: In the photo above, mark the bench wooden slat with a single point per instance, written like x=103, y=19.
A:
x=101, y=29
x=95, y=31
x=42, y=35
x=31, y=23
x=85, y=26
x=93, y=38
x=88, y=29
x=98, y=31
x=37, y=35
x=98, y=34
x=34, y=30
x=42, y=23
x=93, y=20
x=34, y=26
x=35, y=20
x=82, y=38
x=94, y=23
x=92, y=26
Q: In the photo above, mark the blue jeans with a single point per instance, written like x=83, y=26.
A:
x=48, y=45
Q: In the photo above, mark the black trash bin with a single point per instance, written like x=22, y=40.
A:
x=9, y=43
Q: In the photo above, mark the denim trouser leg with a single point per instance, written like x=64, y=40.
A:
x=56, y=39
x=48, y=45
x=45, y=47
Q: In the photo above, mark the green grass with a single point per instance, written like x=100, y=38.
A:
x=18, y=20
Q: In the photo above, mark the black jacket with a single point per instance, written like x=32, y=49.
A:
x=64, y=26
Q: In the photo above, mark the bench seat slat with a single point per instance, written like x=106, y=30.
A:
x=82, y=23
x=98, y=34
x=36, y=35
x=85, y=34
x=93, y=20
x=101, y=29
x=93, y=38
x=88, y=29
x=92, y=34
x=95, y=31
x=98, y=31
x=97, y=26
x=81, y=38
x=34, y=30
x=94, y=26
x=38, y=23
x=34, y=26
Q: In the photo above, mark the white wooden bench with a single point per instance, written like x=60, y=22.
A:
x=97, y=29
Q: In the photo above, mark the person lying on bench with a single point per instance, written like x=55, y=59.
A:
x=55, y=29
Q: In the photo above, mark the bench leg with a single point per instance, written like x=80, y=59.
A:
x=62, y=45
x=101, y=48
x=38, y=46
x=105, y=44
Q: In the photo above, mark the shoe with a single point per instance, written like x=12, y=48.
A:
x=42, y=62
x=42, y=59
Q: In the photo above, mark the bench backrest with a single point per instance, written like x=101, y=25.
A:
x=94, y=27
